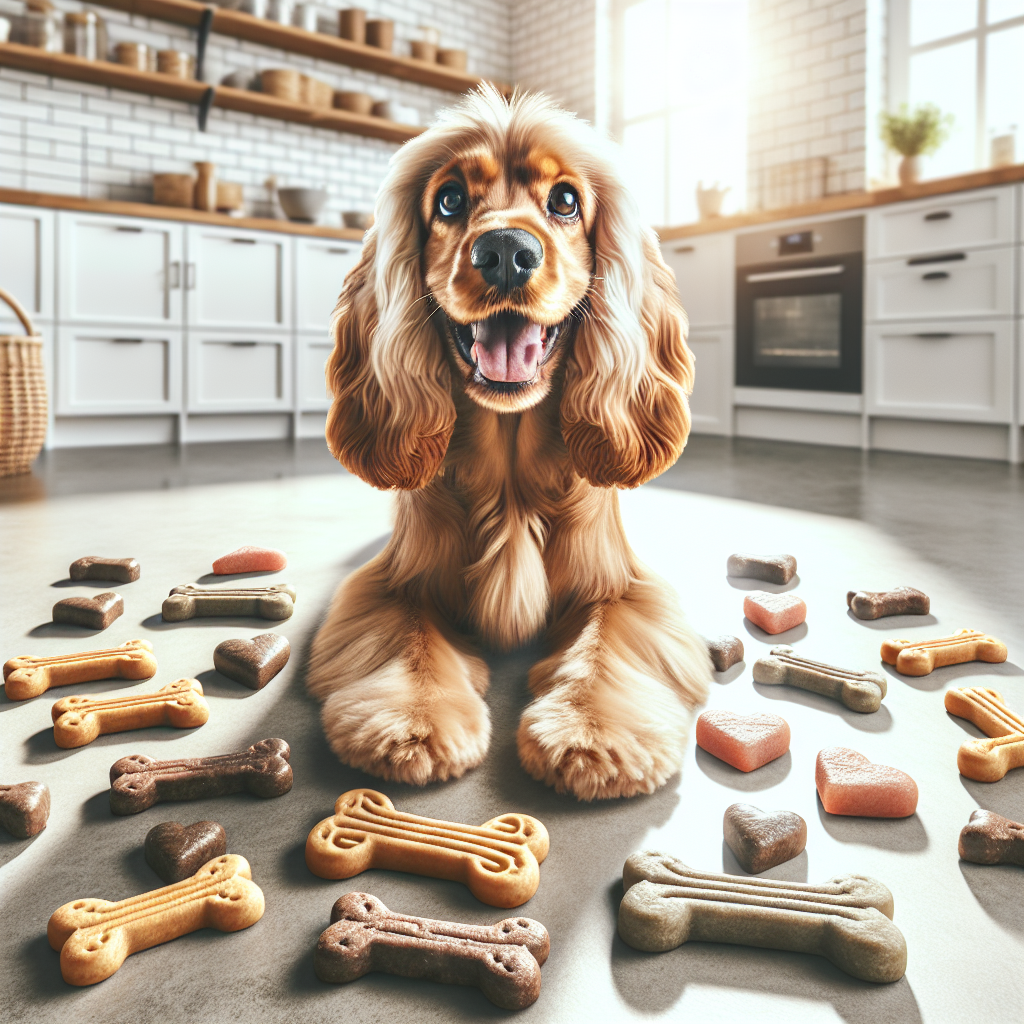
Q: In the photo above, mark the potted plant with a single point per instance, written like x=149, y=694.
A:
x=914, y=135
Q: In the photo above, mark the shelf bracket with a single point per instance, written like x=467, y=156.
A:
x=204, y=107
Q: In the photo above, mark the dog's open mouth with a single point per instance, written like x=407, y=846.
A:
x=506, y=350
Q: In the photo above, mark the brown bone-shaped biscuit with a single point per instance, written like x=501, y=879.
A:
x=24, y=808
x=188, y=602
x=503, y=960
x=498, y=860
x=120, y=570
x=847, y=920
x=987, y=760
x=91, y=612
x=874, y=604
x=94, y=937
x=920, y=657
x=138, y=782
x=28, y=675
x=79, y=720
x=990, y=838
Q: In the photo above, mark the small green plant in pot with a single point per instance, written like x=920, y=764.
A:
x=914, y=135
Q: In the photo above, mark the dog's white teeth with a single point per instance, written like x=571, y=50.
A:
x=474, y=327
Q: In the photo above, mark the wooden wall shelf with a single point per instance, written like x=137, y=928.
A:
x=117, y=76
x=297, y=40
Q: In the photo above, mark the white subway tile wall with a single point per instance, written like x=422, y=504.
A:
x=807, y=88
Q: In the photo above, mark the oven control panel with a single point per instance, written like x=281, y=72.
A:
x=825, y=238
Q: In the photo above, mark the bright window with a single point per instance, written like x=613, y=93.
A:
x=967, y=57
x=680, y=109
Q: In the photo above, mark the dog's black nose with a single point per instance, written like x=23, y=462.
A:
x=506, y=257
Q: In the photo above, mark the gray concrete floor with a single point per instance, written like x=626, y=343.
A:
x=951, y=527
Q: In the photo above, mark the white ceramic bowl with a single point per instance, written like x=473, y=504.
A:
x=302, y=204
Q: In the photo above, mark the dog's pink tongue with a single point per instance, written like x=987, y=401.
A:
x=508, y=348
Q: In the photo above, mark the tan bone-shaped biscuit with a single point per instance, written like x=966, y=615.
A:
x=498, y=861
x=94, y=937
x=920, y=657
x=859, y=691
x=28, y=676
x=188, y=602
x=987, y=760
x=503, y=960
x=79, y=720
x=846, y=920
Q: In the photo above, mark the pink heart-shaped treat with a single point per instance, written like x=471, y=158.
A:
x=774, y=613
x=848, y=783
x=744, y=741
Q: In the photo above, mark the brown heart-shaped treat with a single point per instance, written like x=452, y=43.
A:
x=24, y=808
x=176, y=851
x=762, y=839
x=254, y=662
x=92, y=612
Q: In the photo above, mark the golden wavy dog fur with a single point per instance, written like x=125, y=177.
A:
x=507, y=522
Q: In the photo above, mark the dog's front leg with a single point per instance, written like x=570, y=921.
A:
x=401, y=693
x=613, y=703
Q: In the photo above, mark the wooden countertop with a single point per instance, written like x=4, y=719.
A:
x=19, y=197
x=849, y=201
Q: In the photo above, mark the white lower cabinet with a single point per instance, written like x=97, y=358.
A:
x=26, y=263
x=311, y=386
x=321, y=266
x=711, y=401
x=239, y=372
x=941, y=370
x=117, y=370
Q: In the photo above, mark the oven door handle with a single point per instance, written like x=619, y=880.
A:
x=793, y=275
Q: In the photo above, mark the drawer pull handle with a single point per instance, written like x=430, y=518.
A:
x=190, y=276
x=128, y=229
x=174, y=275
x=127, y=341
x=935, y=275
x=243, y=344
x=942, y=257
x=793, y=275
x=938, y=215
x=339, y=252
x=243, y=241
x=684, y=248
x=934, y=335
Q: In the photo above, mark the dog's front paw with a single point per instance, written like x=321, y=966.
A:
x=395, y=731
x=568, y=746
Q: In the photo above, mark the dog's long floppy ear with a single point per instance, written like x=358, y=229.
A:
x=624, y=410
x=392, y=415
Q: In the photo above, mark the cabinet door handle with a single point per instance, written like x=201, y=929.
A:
x=339, y=252
x=174, y=274
x=934, y=335
x=942, y=257
x=684, y=248
x=935, y=275
x=243, y=241
x=129, y=229
x=127, y=341
x=190, y=276
x=938, y=215
x=243, y=344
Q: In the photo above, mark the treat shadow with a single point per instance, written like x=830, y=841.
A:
x=997, y=888
x=63, y=629
x=41, y=969
x=153, y=733
x=41, y=749
x=215, y=684
x=302, y=979
x=94, y=584
x=97, y=808
x=948, y=675
x=1005, y=797
x=12, y=846
x=731, y=673
x=157, y=622
x=789, y=636
x=901, y=835
x=234, y=577
x=765, y=777
x=874, y=721
x=792, y=870
x=894, y=623
x=749, y=583
x=139, y=871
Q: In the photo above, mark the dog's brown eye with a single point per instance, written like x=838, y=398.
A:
x=563, y=201
x=451, y=200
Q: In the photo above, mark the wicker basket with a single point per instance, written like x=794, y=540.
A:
x=22, y=395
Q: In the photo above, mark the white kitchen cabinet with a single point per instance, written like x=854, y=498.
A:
x=705, y=270
x=119, y=270
x=117, y=370
x=941, y=370
x=26, y=263
x=321, y=265
x=238, y=279
x=975, y=219
x=711, y=401
x=965, y=283
x=311, y=386
x=238, y=371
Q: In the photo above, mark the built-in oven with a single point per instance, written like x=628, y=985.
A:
x=799, y=307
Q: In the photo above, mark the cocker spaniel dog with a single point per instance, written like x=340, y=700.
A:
x=509, y=350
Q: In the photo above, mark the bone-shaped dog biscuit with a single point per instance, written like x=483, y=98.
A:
x=498, y=860
x=120, y=570
x=846, y=920
x=29, y=676
x=987, y=760
x=503, y=960
x=188, y=602
x=94, y=937
x=920, y=657
x=138, y=782
x=79, y=720
x=859, y=691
